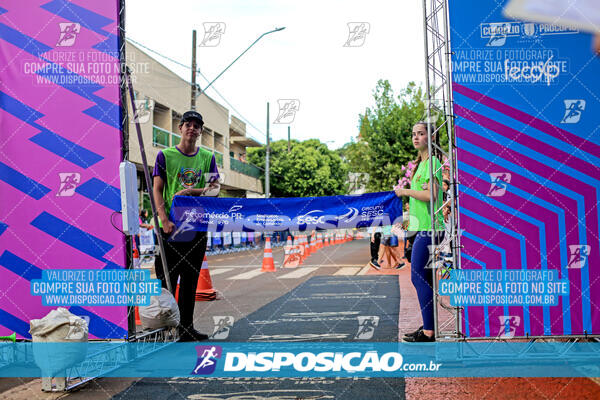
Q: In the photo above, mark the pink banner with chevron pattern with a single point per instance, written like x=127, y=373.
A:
x=60, y=146
x=527, y=128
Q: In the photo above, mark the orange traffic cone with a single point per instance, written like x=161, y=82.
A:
x=204, y=290
x=319, y=241
x=313, y=245
x=326, y=240
x=136, y=258
x=177, y=289
x=138, y=321
x=292, y=255
x=289, y=241
x=268, y=265
x=299, y=247
x=296, y=246
x=307, y=249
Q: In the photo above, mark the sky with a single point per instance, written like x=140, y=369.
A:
x=307, y=61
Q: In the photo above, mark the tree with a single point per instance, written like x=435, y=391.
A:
x=309, y=169
x=384, y=144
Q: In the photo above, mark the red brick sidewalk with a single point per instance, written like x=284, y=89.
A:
x=409, y=319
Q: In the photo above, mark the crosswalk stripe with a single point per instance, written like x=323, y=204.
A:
x=217, y=271
x=347, y=271
x=246, y=275
x=300, y=272
x=364, y=270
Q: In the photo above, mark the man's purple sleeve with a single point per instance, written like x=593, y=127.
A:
x=160, y=166
x=214, y=172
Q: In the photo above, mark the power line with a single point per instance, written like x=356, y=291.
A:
x=205, y=78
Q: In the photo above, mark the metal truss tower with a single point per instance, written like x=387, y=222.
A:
x=436, y=26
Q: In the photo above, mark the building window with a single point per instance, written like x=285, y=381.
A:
x=160, y=137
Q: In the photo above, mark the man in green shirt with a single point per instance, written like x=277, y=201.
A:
x=184, y=170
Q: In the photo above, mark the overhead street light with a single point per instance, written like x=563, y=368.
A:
x=237, y=58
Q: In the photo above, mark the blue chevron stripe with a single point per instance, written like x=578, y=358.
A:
x=49, y=140
x=561, y=232
x=466, y=309
x=542, y=238
x=3, y=227
x=22, y=182
x=22, y=41
x=101, y=193
x=15, y=324
x=66, y=149
x=109, y=46
x=72, y=235
x=20, y=267
x=525, y=129
x=523, y=254
x=19, y=109
x=105, y=111
x=112, y=265
x=69, y=80
x=75, y=13
x=503, y=265
x=586, y=306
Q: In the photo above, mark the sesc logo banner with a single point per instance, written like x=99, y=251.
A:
x=369, y=361
x=278, y=214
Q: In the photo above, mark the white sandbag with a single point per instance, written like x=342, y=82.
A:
x=162, y=312
x=59, y=326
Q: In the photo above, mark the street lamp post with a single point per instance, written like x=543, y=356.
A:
x=267, y=160
x=200, y=91
x=237, y=58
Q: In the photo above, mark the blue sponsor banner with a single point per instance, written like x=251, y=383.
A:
x=227, y=359
x=278, y=214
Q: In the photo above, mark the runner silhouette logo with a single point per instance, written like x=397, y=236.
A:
x=223, y=325
x=366, y=327
x=68, y=183
x=578, y=256
x=207, y=359
x=573, y=111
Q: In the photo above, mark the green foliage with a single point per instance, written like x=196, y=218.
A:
x=309, y=169
x=385, y=143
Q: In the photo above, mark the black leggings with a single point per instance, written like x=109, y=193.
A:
x=375, y=245
x=184, y=259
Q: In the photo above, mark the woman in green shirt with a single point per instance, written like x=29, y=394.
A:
x=420, y=192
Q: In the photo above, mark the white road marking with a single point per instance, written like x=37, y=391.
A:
x=246, y=275
x=364, y=270
x=217, y=271
x=347, y=271
x=300, y=272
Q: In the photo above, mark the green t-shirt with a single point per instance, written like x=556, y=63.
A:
x=420, y=214
x=180, y=171
x=387, y=230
